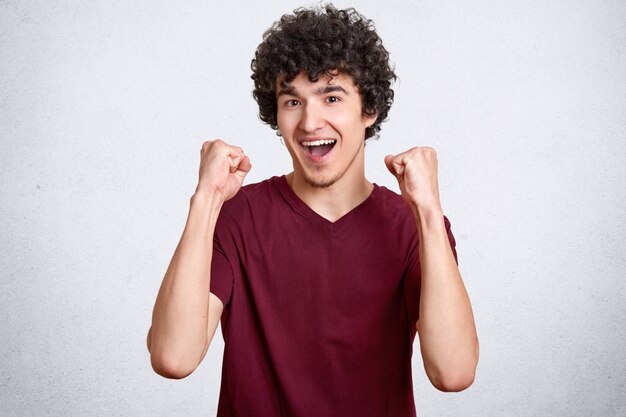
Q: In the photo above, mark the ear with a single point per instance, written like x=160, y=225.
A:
x=369, y=119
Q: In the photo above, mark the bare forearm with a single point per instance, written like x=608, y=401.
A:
x=447, y=333
x=178, y=336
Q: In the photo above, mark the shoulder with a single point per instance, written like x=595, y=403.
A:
x=387, y=196
x=394, y=211
x=254, y=192
x=251, y=198
x=259, y=189
x=394, y=203
x=391, y=205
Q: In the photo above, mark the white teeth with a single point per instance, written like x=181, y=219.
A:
x=319, y=142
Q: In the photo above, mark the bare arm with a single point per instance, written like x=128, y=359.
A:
x=447, y=333
x=185, y=314
x=446, y=328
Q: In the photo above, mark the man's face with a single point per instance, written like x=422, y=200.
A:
x=323, y=127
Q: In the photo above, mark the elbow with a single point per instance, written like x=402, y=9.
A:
x=455, y=377
x=453, y=381
x=166, y=364
x=169, y=368
x=459, y=373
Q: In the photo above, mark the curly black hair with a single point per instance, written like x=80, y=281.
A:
x=324, y=41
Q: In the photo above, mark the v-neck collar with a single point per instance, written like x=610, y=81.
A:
x=298, y=205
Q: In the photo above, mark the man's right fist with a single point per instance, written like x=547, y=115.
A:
x=222, y=168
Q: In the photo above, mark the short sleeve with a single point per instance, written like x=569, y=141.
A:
x=221, y=273
x=413, y=275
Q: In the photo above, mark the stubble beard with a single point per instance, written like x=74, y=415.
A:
x=315, y=182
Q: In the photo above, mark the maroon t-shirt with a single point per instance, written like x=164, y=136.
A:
x=319, y=316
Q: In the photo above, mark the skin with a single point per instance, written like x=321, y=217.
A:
x=186, y=314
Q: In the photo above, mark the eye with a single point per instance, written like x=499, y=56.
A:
x=292, y=103
x=332, y=99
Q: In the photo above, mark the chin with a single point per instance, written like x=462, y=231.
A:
x=320, y=181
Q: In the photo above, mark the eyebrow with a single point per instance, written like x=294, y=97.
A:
x=328, y=88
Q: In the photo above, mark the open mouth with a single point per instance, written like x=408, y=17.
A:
x=318, y=148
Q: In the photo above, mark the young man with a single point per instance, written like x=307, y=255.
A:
x=320, y=278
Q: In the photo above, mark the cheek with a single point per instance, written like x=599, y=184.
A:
x=284, y=121
x=347, y=119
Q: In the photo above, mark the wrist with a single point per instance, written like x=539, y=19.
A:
x=204, y=199
x=428, y=217
x=204, y=210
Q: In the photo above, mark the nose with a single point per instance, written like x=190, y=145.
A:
x=312, y=118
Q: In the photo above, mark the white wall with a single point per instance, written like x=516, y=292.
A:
x=104, y=106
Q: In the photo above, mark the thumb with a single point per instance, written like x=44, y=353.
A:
x=244, y=167
x=394, y=167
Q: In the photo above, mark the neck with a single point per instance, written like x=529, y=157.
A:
x=334, y=201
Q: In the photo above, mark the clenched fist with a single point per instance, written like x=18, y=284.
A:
x=416, y=172
x=222, y=168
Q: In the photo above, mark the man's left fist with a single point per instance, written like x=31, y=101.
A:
x=416, y=172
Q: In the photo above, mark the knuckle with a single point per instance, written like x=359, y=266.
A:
x=413, y=151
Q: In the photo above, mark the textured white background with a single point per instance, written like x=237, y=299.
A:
x=104, y=106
